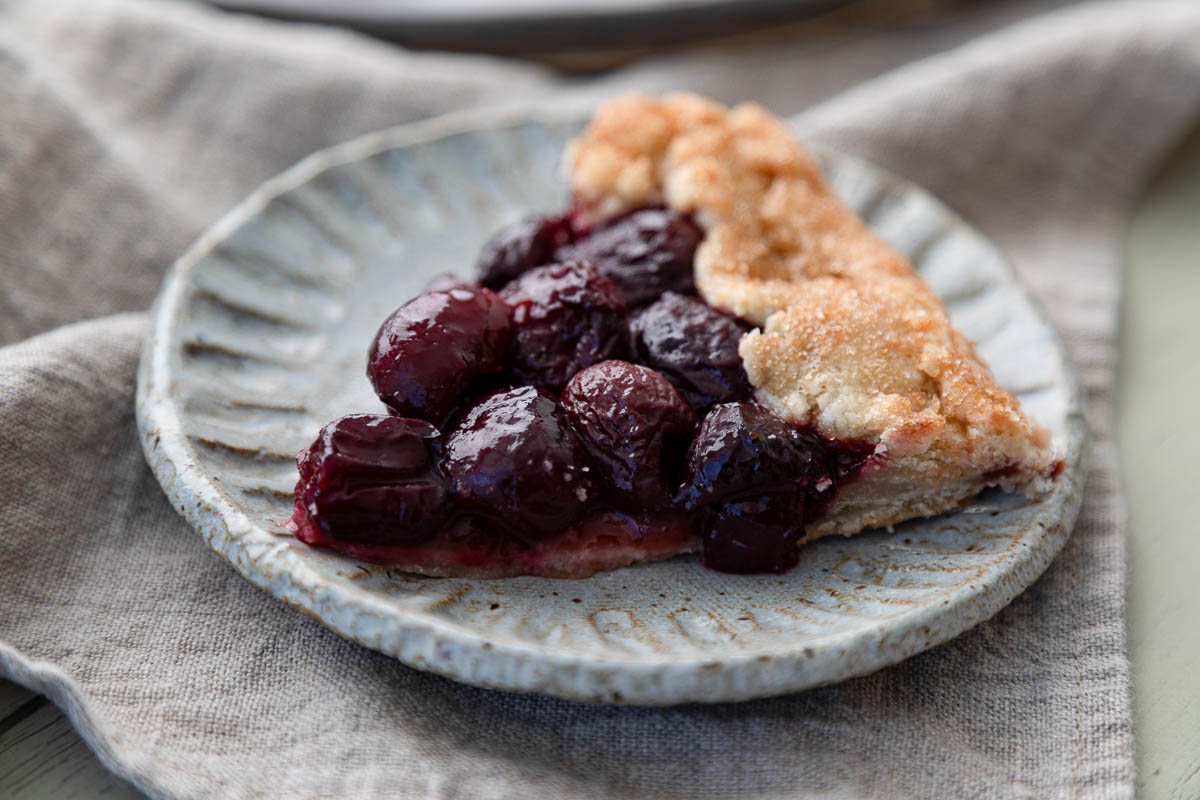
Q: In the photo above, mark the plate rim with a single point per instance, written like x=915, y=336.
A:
x=427, y=642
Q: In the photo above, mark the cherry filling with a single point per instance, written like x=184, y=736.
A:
x=566, y=317
x=515, y=458
x=752, y=477
x=521, y=246
x=644, y=254
x=573, y=437
x=694, y=346
x=636, y=427
x=432, y=348
x=371, y=479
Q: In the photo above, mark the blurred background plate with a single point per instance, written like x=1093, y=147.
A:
x=538, y=26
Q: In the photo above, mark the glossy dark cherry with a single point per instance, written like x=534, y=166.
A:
x=514, y=457
x=636, y=427
x=694, y=346
x=566, y=317
x=429, y=351
x=761, y=534
x=521, y=246
x=741, y=450
x=371, y=479
x=754, y=475
x=644, y=254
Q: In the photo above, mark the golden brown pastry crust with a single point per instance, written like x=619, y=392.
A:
x=851, y=340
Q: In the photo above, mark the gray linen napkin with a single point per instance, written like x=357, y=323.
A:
x=126, y=127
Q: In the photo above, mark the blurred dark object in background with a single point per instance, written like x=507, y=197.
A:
x=533, y=27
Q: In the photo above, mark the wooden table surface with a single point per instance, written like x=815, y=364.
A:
x=42, y=758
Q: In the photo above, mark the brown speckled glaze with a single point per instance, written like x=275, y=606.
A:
x=260, y=336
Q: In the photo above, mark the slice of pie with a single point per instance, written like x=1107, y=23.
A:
x=707, y=352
